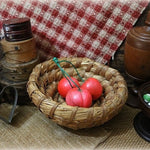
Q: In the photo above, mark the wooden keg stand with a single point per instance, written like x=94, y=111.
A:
x=19, y=57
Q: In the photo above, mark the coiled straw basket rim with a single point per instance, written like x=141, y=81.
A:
x=42, y=89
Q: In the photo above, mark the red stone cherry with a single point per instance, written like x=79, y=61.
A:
x=94, y=87
x=64, y=86
x=81, y=98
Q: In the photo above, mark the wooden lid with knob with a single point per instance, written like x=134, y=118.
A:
x=139, y=37
x=17, y=29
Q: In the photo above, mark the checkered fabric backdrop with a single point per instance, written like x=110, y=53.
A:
x=94, y=29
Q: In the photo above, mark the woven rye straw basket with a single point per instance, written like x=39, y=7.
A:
x=42, y=89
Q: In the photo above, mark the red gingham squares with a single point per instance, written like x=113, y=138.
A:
x=84, y=28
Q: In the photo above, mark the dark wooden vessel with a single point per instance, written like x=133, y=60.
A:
x=137, y=52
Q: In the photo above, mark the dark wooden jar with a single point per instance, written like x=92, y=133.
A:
x=137, y=52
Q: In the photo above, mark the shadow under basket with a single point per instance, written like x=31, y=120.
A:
x=42, y=89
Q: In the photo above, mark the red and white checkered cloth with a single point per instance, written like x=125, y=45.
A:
x=89, y=28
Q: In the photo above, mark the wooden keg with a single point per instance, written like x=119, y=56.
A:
x=19, y=57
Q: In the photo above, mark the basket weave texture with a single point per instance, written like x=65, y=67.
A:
x=42, y=89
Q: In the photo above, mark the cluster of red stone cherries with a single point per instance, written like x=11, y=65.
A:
x=76, y=94
x=81, y=96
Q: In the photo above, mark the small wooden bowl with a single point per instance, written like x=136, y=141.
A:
x=42, y=89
